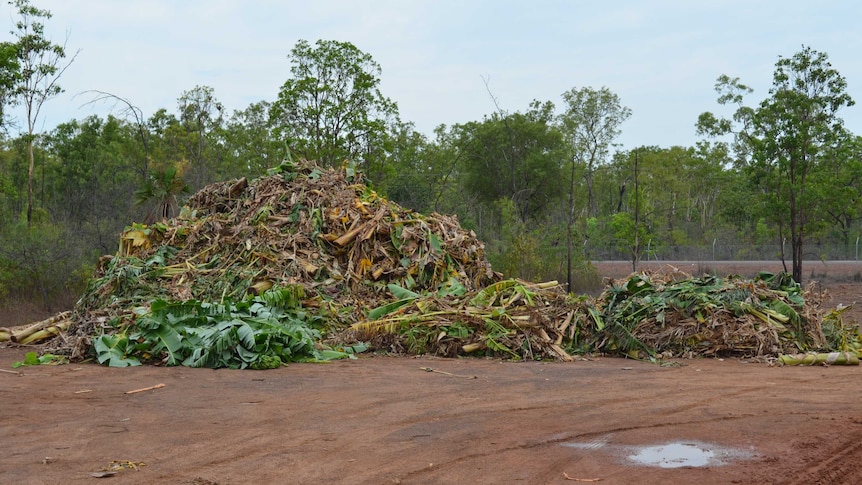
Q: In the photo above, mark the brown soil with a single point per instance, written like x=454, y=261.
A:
x=381, y=420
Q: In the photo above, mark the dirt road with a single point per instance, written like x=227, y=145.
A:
x=383, y=420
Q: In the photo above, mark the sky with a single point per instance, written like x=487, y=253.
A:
x=661, y=57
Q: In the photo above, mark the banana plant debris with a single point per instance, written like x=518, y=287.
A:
x=310, y=263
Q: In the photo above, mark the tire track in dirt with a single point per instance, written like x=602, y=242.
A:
x=709, y=400
x=838, y=462
x=842, y=467
x=595, y=438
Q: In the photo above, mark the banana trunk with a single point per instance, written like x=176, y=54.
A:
x=831, y=358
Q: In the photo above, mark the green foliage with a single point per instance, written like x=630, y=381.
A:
x=39, y=262
x=9, y=71
x=259, y=333
x=418, y=337
x=494, y=334
x=162, y=186
x=516, y=157
x=629, y=237
x=250, y=146
x=591, y=122
x=839, y=335
x=839, y=188
x=636, y=316
x=33, y=358
x=785, y=142
x=113, y=351
x=457, y=330
x=416, y=170
x=199, y=137
x=332, y=108
x=521, y=253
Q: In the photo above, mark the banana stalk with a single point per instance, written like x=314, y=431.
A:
x=831, y=358
x=45, y=333
x=36, y=327
x=473, y=347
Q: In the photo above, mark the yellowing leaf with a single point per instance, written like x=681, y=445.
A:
x=137, y=239
x=364, y=266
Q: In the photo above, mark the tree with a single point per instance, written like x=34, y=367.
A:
x=250, y=145
x=41, y=64
x=788, y=136
x=91, y=168
x=797, y=125
x=590, y=123
x=9, y=72
x=414, y=166
x=516, y=156
x=840, y=187
x=332, y=108
x=201, y=115
x=128, y=109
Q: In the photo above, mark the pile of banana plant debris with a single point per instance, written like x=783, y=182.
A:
x=311, y=264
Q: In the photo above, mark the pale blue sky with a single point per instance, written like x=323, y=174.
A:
x=661, y=57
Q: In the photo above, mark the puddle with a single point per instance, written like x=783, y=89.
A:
x=675, y=454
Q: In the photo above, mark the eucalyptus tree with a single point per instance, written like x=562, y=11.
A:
x=250, y=143
x=161, y=125
x=9, y=72
x=92, y=170
x=41, y=63
x=331, y=109
x=680, y=187
x=135, y=115
x=414, y=172
x=514, y=156
x=785, y=141
x=840, y=188
x=591, y=122
x=201, y=116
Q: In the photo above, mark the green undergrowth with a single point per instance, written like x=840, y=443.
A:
x=259, y=332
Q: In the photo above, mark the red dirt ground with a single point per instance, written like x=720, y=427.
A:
x=384, y=420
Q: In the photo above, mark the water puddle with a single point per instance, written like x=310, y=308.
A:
x=676, y=454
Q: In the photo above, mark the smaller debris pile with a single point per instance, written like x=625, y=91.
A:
x=654, y=316
x=672, y=314
x=510, y=319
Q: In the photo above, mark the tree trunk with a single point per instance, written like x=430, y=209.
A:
x=636, y=254
x=797, y=257
x=590, y=196
x=30, y=170
x=569, y=226
x=796, y=238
